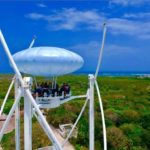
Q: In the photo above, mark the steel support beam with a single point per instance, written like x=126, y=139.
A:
x=13, y=108
x=27, y=115
x=91, y=112
x=17, y=117
x=27, y=124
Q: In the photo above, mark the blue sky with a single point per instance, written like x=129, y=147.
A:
x=77, y=26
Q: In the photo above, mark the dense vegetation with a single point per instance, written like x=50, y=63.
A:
x=127, y=110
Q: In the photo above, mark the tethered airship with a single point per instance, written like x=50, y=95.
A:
x=47, y=61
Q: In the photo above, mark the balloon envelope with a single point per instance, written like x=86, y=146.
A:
x=47, y=61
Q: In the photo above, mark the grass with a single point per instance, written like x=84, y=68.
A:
x=126, y=103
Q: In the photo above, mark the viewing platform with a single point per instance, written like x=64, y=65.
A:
x=56, y=101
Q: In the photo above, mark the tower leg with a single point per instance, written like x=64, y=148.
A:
x=17, y=118
x=27, y=124
x=91, y=112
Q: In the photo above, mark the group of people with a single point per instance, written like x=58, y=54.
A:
x=46, y=89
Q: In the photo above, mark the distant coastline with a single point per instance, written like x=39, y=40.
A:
x=113, y=73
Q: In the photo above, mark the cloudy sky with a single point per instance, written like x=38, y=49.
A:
x=77, y=25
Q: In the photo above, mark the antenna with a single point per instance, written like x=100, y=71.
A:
x=32, y=42
x=101, y=50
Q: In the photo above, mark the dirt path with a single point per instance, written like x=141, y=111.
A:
x=68, y=146
x=11, y=125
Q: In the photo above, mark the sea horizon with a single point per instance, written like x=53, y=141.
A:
x=106, y=73
x=117, y=73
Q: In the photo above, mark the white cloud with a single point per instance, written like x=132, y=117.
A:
x=73, y=19
x=113, y=49
x=141, y=15
x=35, y=16
x=92, y=48
x=129, y=2
x=41, y=5
x=130, y=27
x=69, y=19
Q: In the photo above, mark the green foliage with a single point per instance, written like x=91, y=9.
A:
x=145, y=121
x=39, y=139
x=62, y=115
x=8, y=106
x=133, y=132
x=146, y=137
x=79, y=147
x=130, y=116
x=8, y=141
x=112, y=117
x=116, y=139
x=126, y=102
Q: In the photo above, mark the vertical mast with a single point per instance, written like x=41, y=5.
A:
x=91, y=112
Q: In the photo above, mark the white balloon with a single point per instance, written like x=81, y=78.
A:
x=47, y=61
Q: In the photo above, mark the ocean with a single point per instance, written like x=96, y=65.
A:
x=118, y=73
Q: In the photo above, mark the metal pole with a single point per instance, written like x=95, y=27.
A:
x=81, y=112
x=6, y=97
x=42, y=125
x=102, y=115
x=14, y=66
x=101, y=51
x=39, y=120
x=27, y=123
x=91, y=112
x=43, y=121
x=32, y=43
x=10, y=114
x=17, y=117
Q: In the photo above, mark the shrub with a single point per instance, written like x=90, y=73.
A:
x=39, y=138
x=130, y=116
x=133, y=132
x=60, y=116
x=138, y=148
x=112, y=117
x=8, y=106
x=79, y=147
x=146, y=137
x=8, y=137
x=145, y=120
x=98, y=145
x=83, y=134
x=116, y=139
